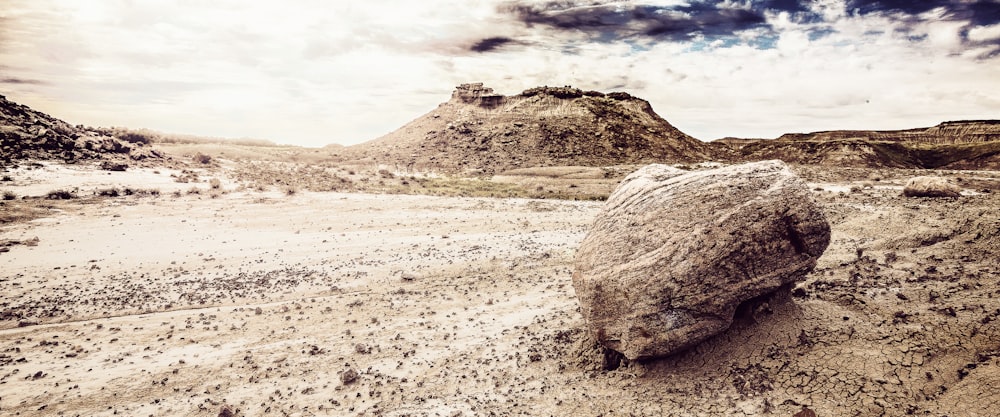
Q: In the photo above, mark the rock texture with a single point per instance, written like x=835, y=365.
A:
x=966, y=144
x=930, y=186
x=479, y=131
x=29, y=134
x=672, y=254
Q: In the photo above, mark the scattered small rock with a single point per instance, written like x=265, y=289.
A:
x=806, y=412
x=114, y=166
x=349, y=376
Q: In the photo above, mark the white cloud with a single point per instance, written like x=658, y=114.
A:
x=985, y=33
x=315, y=72
x=793, y=41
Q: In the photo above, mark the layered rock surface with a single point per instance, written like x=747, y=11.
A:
x=966, y=144
x=672, y=254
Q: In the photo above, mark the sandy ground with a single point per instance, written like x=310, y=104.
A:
x=356, y=304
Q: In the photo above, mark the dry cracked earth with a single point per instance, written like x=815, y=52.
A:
x=354, y=304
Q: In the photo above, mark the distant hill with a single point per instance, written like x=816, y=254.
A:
x=969, y=144
x=29, y=134
x=479, y=131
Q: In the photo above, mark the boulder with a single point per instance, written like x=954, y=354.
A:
x=672, y=254
x=108, y=165
x=929, y=186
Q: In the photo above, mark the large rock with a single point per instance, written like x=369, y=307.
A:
x=672, y=254
x=929, y=186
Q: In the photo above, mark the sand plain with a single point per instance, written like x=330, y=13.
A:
x=324, y=303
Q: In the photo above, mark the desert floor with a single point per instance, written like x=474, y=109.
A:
x=324, y=303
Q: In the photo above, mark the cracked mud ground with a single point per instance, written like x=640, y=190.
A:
x=350, y=304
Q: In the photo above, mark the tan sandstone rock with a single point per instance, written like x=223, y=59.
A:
x=929, y=186
x=673, y=253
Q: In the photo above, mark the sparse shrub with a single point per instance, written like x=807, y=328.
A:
x=9, y=195
x=108, y=192
x=7, y=178
x=891, y=257
x=385, y=173
x=194, y=190
x=60, y=195
x=214, y=194
x=291, y=190
x=135, y=137
x=855, y=188
x=176, y=193
x=202, y=158
x=215, y=183
x=63, y=130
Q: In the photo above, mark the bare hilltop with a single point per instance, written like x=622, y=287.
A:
x=479, y=131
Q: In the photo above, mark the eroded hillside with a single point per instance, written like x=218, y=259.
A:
x=950, y=145
x=478, y=131
x=29, y=134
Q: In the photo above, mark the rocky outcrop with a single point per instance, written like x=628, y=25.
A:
x=480, y=131
x=930, y=186
x=672, y=254
x=29, y=134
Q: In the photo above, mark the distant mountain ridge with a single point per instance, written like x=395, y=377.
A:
x=479, y=131
x=961, y=131
x=964, y=144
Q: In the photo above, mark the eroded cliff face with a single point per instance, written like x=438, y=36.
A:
x=971, y=144
x=479, y=131
x=963, y=131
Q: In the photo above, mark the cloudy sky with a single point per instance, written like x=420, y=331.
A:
x=315, y=72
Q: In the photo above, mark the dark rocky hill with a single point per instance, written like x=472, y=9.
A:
x=971, y=144
x=479, y=131
x=29, y=134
